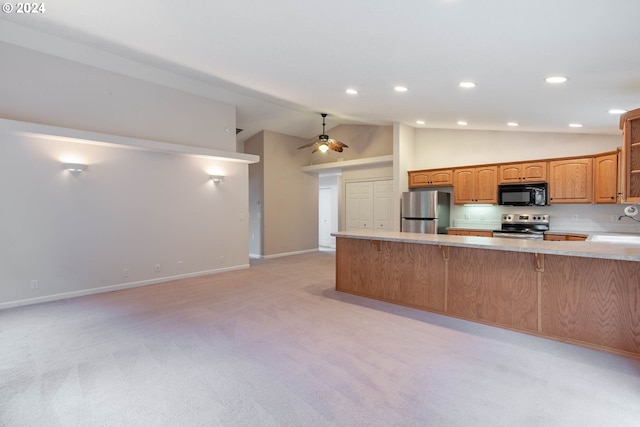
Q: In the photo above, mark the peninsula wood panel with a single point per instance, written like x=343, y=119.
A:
x=405, y=273
x=493, y=286
x=592, y=300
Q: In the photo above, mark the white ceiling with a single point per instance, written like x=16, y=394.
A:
x=284, y=61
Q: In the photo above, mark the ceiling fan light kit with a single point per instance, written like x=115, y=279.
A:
x=324, y=143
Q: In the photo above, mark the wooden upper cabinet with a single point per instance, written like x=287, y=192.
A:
x=571, y=181
x=513, y=173
x=476, y=185
x=428, y=178
x=605, y=178
x=630, y=125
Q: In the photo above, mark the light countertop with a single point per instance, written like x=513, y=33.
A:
x=617, y=251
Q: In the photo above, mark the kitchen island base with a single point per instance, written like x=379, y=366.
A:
x=586, y=301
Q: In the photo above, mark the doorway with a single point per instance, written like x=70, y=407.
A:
x=327, y=210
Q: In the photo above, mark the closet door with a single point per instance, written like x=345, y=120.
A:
x=368, y=205
x=383, y=199
x=365, y=205
x=351, y=200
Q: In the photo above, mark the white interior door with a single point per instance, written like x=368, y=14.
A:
x=381, y=205
x=324, y=215
x=352, y=192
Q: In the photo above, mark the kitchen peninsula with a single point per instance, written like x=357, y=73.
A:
x=585, y=293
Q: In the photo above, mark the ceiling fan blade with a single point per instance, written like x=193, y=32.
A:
x=315, y=149
x=335, y=147
x=307, y=145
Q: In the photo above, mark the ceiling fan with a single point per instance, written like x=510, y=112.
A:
x=324, y=143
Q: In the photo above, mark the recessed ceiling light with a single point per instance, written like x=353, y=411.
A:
x=467, y=84
x=617, y=111
x=575, y=125
x=514, y=124
x=400, y=89
x=351, y=91
x=462, y=123
x=420, y=122
x=556, y=79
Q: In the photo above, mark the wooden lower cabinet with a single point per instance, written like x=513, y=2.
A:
x=564, y=237
x=415, y=277
x=592, y=300
x=480, y=233
x=493, y=286
x=587, y=301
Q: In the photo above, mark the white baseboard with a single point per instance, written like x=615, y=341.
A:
x=289, y=253
x=111, y=288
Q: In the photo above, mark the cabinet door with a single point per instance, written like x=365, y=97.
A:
x=458, y=232
x=510, y=174
x=555, y=237
x=605, y=170
x=481, y=233
x=419, y=179
x=534, y=172
x=571, y=181
x=574, y=238
x=464, y=185
x=523, y=172
x=487, y=185
x=630, y=124
x=442, y=177
x=426, y=178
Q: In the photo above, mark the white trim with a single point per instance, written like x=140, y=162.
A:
x=112, y=288
x=96, y=138
x=339, y=166
x=289, y=253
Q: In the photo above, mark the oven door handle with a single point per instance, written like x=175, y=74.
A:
x=528, y=236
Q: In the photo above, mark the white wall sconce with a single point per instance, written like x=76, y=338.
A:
x=216, y=178
x=74, y=167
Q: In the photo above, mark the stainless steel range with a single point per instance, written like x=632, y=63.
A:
x=523, y=226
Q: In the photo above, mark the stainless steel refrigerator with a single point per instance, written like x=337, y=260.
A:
x=425, y=212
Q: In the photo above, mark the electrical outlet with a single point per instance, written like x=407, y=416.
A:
x=157, y=268
x=125, y=272
x=574, y=218
x=179, y=265
x=221, y=259
x=614, y=218
x=35, y=284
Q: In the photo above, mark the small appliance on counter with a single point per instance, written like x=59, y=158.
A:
x=523, y=226
x=425, y=212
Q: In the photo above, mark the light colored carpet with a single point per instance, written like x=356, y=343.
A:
x=276, y=345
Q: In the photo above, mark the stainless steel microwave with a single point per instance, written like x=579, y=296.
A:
x=534, y=194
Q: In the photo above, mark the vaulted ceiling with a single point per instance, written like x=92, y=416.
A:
x=282, y=62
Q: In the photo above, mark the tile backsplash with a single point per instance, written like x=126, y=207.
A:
x=578, y=217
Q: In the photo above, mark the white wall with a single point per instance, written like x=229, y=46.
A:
x=255, y=145
x=130, y=209
x=437, y=148
x=290, y=197
x=41, y=88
